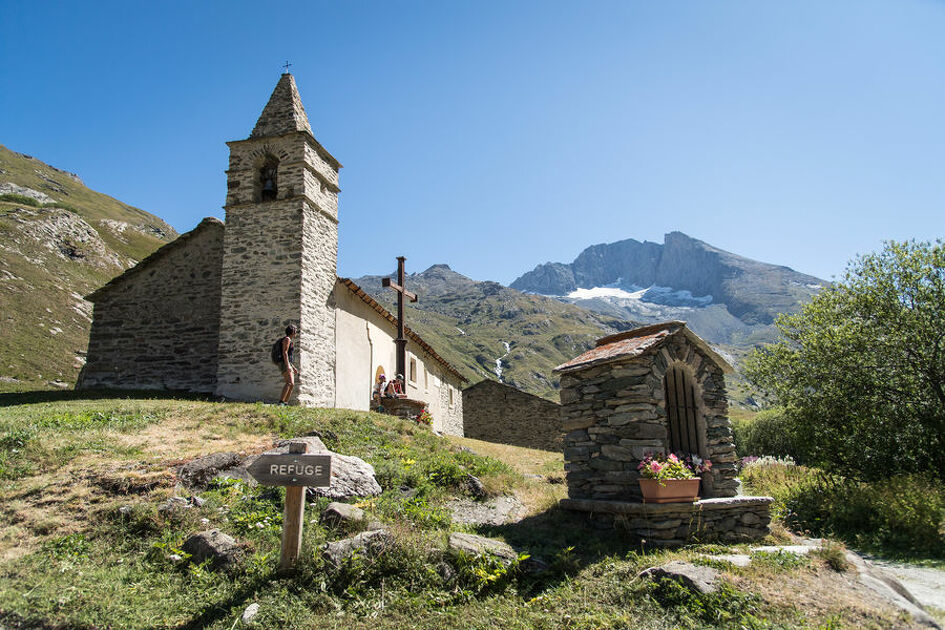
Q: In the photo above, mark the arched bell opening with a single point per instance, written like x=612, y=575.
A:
x=267, y=179
x=686, y=426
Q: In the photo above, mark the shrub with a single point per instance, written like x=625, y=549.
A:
x=21, y=199
x=904, y=514
x=769, y=432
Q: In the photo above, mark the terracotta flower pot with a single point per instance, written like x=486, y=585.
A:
x=670, y=490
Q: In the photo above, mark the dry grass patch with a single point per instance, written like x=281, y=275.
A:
x=543, y=485
x=822, y=594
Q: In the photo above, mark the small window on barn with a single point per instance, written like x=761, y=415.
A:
x=451, y=395
x=682, y=413
x=413, y=370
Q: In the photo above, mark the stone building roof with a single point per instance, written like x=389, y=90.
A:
x=637, y=342
x=207, y=223
x=284, y=113
x=358, y=291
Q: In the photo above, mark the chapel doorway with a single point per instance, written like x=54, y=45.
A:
x=685, y=434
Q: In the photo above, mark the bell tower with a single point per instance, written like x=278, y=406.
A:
x=280, y=252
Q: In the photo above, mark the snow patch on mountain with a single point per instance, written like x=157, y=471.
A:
x=617, y=292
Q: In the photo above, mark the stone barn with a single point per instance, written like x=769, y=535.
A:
x=655, y=389
x=498, y=412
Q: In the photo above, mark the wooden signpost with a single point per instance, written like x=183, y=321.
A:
x=296, y=470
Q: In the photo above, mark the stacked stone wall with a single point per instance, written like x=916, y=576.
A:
x=317, y=336
x=496, y=412
x=261, y=294
x=615, y=414
x=728, y=520
x=157, y=327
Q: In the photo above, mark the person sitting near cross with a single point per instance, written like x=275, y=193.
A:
x=396, y=387
x=379, y=388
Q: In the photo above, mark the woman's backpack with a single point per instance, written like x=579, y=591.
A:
x=276, y=352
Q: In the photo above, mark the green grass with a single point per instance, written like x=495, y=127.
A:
x=78, y=553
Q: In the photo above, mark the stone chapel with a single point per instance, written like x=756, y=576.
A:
x=201, y=313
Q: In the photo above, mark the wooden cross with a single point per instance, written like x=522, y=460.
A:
x=402, y=293
x=286, y=66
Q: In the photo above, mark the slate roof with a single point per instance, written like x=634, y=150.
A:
x=358, y=291
x=284, y=113
x=154, y=257
x=638, y=342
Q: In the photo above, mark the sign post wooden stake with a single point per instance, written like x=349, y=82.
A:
x=292, y=517
x=294, y=470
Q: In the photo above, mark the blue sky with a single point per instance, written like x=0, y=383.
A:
x=494, y=136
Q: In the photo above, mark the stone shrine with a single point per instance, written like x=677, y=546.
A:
x=655, y=389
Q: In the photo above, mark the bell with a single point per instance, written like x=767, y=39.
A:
x=268, y=186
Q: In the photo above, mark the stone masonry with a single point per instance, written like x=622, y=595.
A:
x=727, y=520
x=156, y=326
x=497, y=412
x=614, y=411
x=280, y=256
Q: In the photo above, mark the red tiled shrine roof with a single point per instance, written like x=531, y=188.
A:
x=637, y=342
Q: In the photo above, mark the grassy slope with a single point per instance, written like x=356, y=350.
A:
x=45, y=322
x=70, y=558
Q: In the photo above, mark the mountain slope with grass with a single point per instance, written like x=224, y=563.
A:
x=490, y=331
x=59, y=241
x=90, y=539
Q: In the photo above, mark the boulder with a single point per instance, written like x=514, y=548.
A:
x=350, y=476
x=249, y=614
x=221, y=550
x=698, y=579
x=197, y=473
x=341, y=514
x=473, y=545
x=474, y=488
x=368, y=543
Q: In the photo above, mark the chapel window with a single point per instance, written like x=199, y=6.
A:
x=413, y=370
x=682, y=413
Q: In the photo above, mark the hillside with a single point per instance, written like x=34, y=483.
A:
x=490, y=331
x=726, y=298
x=59, y=241
x=94, y=516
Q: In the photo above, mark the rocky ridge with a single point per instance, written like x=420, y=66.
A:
x=726, y=298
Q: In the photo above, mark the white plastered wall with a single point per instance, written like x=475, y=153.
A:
x=364, y=342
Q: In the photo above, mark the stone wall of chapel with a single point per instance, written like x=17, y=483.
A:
x=260, y=295
x=279, y=265
x=365, y=342
x=158, y=328
x=614, y=414
x=496, y=412
x=317, y=338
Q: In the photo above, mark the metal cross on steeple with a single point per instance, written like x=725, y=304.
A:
x=286, y=66
x=402, y=293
